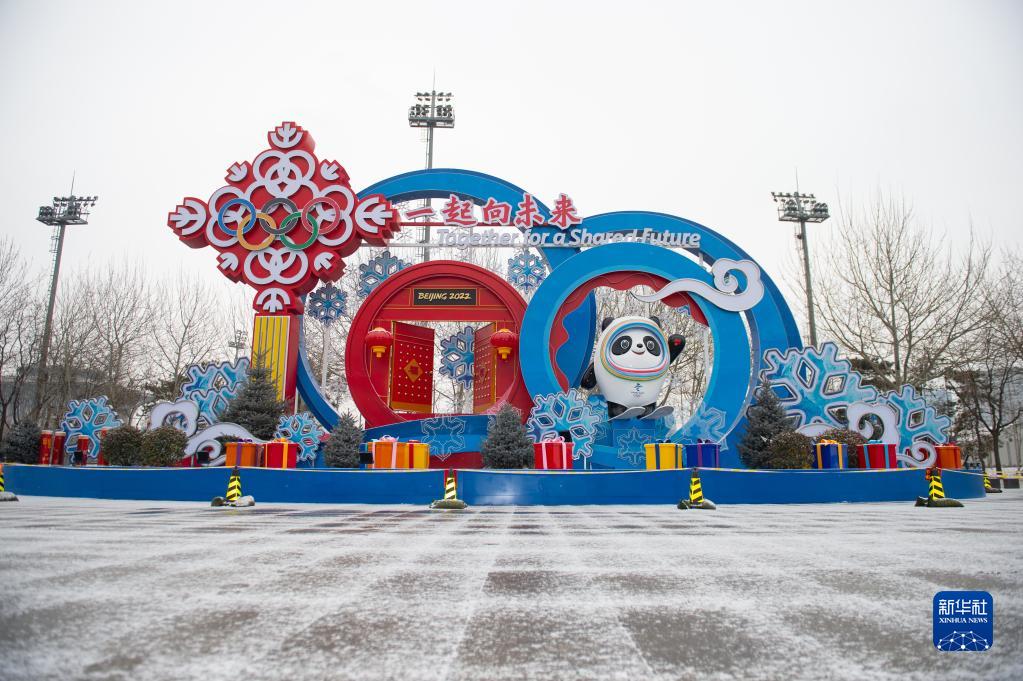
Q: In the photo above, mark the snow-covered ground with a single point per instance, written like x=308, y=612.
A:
x=144, y=590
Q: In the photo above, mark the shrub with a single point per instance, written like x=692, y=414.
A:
x=507, y=445
x=163, y=446
x=789, y=449
x=341, y=450
x=123, y=446
x=21, y=443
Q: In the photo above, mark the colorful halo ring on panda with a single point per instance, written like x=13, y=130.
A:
x=616, y=346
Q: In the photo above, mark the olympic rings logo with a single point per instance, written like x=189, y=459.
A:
x=294, y=218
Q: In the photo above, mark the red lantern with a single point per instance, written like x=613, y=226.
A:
x=504, y=341
x=379, y=339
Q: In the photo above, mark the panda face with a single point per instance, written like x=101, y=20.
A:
x=637, y=350
x=637, y=343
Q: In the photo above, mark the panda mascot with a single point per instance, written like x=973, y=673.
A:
x=631, y=364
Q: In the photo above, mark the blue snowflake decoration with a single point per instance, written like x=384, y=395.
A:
x=457, y=357
x=630, y=445
x=304, y=430
x=526, y=270
x=326, y=304
x=88, y=417
x=378, y=269
x=564, y=412
x=708, y=424
x=917, y=420
x=445, y=435
x=814, y=384
x=213, y=385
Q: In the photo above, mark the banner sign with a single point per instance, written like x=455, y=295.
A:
x=444, y=296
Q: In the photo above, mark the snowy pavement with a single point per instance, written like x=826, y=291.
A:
x=171, y=590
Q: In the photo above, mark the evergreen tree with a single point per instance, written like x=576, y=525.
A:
x=256, y=408
x=341, y=450
x=21, y=443
x=765, y=419
x=507, y=445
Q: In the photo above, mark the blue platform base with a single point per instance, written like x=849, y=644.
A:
x=487, y=488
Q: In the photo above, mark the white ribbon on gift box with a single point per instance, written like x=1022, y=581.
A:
x=564, y=450
x=394, y=448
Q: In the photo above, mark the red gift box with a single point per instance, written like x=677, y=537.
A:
x=46, y=448
x=553, y=454
x=876, y=455
x=280, y=454
x=950, y=457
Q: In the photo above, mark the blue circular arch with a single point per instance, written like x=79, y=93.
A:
x=729, y=379
x=770, y=322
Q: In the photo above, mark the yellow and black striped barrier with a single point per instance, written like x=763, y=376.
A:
x=450, y=500
x=936, y=493
x=234, y=486
x=4, y=494
x=988, y=488
x=696, y=498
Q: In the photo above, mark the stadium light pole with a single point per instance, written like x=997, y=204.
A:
x=240, y=342
x=803, y=208
x=432, y=110
x=64, y=211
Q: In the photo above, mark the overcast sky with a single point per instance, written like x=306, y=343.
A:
x=699, y=109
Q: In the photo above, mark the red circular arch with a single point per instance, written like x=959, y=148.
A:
x=499, y=302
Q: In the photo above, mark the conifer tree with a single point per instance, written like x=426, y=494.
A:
x=766, y=419
x=256, y=408
x=507, y=445
x=341, y=450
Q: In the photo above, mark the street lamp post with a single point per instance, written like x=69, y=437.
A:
x=432, y=110
x=803, y=208
x=64, y=211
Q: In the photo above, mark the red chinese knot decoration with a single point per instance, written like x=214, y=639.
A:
x=285, y=221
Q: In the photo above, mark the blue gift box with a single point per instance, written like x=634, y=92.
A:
x=828, y=455
x=703, y=455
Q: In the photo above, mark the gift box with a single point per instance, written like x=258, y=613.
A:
x=703, y=455
x=46, y=448
x=242, y=454
x=663, y=455
x=555, y=454
x=57, y=455
x=84, y=445
x=949, y=457
x=280, y=454
x=389, y=453
x=418, y=454
x=876, y=455
x=830, y=454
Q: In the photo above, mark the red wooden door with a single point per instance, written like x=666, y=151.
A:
x=412, y=368
x=484, y=370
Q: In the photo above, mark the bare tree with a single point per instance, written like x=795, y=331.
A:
x=20, y=331
x=895, y=295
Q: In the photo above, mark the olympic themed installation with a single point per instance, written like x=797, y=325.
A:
x=288, y=220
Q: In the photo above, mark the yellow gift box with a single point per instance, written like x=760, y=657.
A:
x=663, y=455
x=418, y=454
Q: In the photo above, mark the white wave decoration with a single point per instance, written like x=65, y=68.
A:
x=723, y=293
